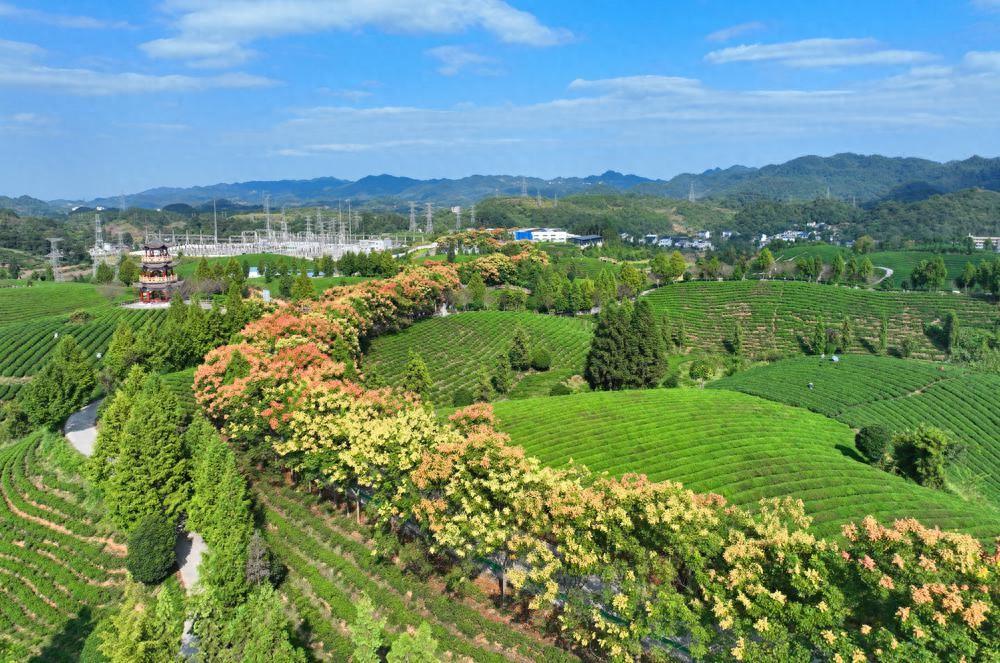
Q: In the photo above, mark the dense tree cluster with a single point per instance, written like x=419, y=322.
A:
x=627, y=350
x=65, y=384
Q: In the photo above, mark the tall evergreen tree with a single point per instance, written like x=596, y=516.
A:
x=846, y=334
x=367, y=632
x=416, y=376
x=607, y=361
x=477, y=292
x=105, y=274
x=647, y=363
x=146, y=627
x=123, y=353
x=150, y=474
x=502, y=378
x=302, y=288
x=106, y=448
x=63, y=386
x=520, y=350
x=416, y=647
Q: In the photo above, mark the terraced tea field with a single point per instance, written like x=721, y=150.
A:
x=25, y=346
x=901, y=262
x=42, y=299
x=900, y=394
x=330, y=563
x=739, y=446
x=781, y=315
x=454, y=348
x=59, y=569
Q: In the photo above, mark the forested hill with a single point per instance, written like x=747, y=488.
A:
x=848, y=177
x=947, y=217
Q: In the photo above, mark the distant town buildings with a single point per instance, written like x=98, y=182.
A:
x=980, y=242
x=557, y=236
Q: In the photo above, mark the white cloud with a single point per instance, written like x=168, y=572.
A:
x=986, y=4
x=733, y=31
x=19, y=50
x=218, y=32
x=58, y=20
x=20, y=67
x=456, y=59
x=989, y=60
x=820, y=52
x=90, y=82
x=636, y=114
x=640, y=85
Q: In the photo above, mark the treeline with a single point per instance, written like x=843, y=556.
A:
x=158, y=469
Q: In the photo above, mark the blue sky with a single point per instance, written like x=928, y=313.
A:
x=102, y=97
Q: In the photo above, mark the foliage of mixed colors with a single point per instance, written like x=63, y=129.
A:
x=628, y=559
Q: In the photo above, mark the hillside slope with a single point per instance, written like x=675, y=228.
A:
x=739, y=446
x=456, y=347
x=781, y=315
x=862, y=390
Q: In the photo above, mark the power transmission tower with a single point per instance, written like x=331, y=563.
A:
x=98, y=232
x=472, y=216
x=267, y=214
x=691, y=196
x=215, y=221
x=458, y=216
x=413, y=217
x=524, y=188
x=538, y=197
x=430, y=219
x=284, y=225
x=54, y=255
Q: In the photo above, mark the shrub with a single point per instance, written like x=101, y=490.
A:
x=560, y=390
x=923, y=453
x=701, y=369
x=151, y=549
x=80, y=317
x=541, y=359
x=874, y=442
x=906, y=347
x=462, y=398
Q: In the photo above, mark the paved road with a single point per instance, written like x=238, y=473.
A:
x=81, y=428
x=189, y=550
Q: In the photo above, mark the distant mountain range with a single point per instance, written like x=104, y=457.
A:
x=861, y=178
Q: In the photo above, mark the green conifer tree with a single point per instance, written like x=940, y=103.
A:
x=416, y=376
